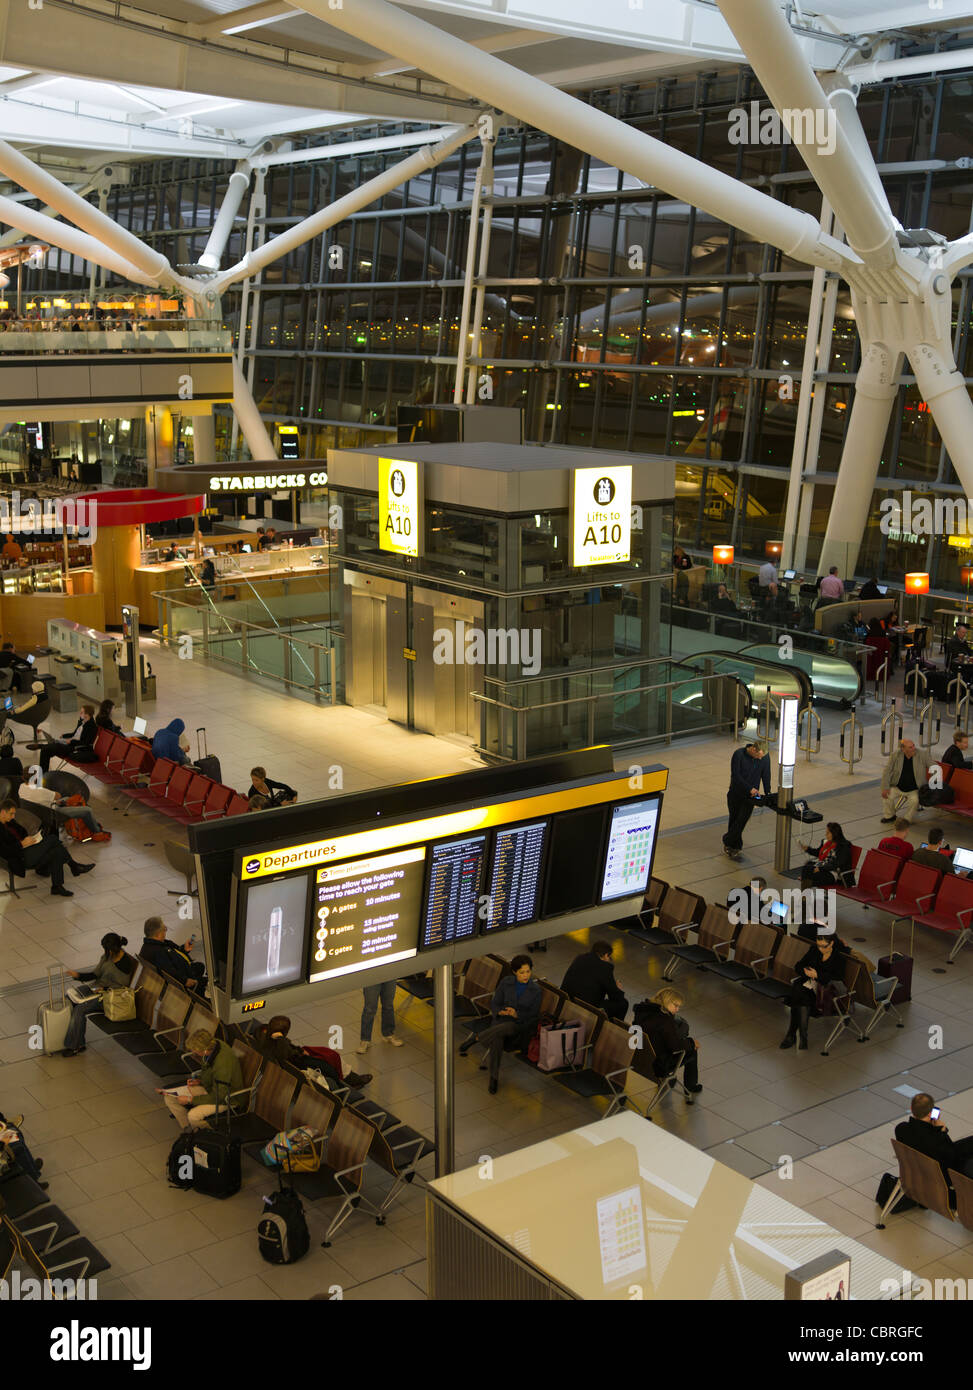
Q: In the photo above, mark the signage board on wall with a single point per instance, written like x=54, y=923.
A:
x=601, y=516
x=399, y=506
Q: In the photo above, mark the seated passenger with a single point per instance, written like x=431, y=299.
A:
x=258, y=803
x=218, y=1082
x=276, y=793
x=113, y=971
x=931, y=1137
x=103, y=718
x=591, y=979
x=15, y=1148
x=935, y=853
x=79, y=746
x=43, y=853
x=169, y=743
x=832, y=859
x=659, y=1020
x=271, y=1040
x=895, y=844
x=174, y=960
x=515, y=1007
x=10, y=657
x=820, y=971
x=60, y=808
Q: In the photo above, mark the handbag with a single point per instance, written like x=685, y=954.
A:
x=119, y=1003
x=293, y=1149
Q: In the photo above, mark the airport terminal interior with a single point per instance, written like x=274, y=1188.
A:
x=485, y=608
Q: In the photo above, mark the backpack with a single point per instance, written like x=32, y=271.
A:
x=176, y=1166
x=282, y=1234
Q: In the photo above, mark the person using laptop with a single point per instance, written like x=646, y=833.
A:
x=103, y=718
x=870, y=589
x=113, y=971
x=935, y=853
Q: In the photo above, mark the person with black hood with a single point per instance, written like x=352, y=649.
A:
x=819, y=971
x=668, y=1034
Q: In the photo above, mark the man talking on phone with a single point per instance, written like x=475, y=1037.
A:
x=927, y=1134
x=174, y=960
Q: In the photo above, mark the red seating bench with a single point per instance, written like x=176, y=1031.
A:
x=181, y=793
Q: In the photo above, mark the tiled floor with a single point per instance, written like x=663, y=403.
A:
x=97, y=1121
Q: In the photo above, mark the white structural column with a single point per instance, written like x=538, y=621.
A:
x=250, y=420
x=508, y=89
x=804, y=400
x=426, y=158
x=788, y=79
x=944, y=391
x=486, y=168
x=875, y=390
x=816, y=423
x=204, y=439
x=69, y=239
x=462, y=345
x=223, y=226
x=22, y=170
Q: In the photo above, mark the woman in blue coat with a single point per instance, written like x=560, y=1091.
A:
x=515, y=1007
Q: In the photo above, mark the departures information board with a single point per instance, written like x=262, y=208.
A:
x=366, y=912
x=515, y=875
x=632, y=833
x=453, y=890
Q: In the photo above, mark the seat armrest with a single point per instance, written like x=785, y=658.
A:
x=881, y=886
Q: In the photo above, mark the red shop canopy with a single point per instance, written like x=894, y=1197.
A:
x=134, y=506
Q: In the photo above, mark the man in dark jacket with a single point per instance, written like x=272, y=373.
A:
x=166, y=955
x=590, y=978
x=43, y=853
x=749, y=767
x=515, y=1007
x=79, y=746
x=931, y=1137
x=935, y=853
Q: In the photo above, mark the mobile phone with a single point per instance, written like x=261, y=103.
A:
x=934, y=1113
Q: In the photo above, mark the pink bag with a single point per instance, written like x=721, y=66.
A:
x=561, y=1045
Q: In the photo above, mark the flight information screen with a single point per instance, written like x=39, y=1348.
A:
x=366, y=912
x=274, y=933
x=453, y=891
x=515, y=875
x=631, y=843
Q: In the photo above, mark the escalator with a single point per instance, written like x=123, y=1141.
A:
x=757, y=673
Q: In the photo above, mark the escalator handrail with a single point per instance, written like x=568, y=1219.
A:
x=801, y=677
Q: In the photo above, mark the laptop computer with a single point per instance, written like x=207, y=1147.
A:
x=963, y=860
x=882, y=588
x=80, y=994
x=139, y=726
x=789, y=574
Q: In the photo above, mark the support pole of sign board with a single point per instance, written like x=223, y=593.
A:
x=443, y=1069
x=786, y=758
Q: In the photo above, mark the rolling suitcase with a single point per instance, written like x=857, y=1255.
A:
x=54, y=1016
x=216, y=1160
x=208, y=766
x=900, y=966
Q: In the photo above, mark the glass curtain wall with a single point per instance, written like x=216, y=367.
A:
x=615, y=316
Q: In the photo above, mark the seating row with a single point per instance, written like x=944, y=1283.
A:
x=921, y=1178
x=278, y=1098
x=609, y=1051
x=915, y=893
x=179, y=792
x=762, y=958
x=37, y=1232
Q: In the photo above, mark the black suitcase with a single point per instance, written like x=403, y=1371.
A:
x=208, y=765
x=901, y=967
x=216, y=1164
